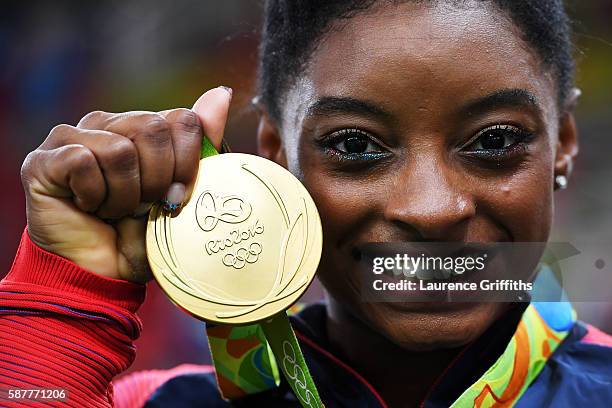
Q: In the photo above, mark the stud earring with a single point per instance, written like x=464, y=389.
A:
x=561, y=182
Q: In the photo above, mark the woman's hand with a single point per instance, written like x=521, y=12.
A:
x=88, y=188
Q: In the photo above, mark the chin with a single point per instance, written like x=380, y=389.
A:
x=431, y=326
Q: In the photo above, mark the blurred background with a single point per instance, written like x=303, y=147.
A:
x=62, y=59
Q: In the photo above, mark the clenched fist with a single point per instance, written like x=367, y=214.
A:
x=88, y=187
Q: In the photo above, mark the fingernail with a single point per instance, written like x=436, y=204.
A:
x=228, y=89
x=175, y=197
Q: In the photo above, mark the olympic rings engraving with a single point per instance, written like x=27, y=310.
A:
x=243, y=256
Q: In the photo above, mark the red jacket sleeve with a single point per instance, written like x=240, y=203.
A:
x=63, y=327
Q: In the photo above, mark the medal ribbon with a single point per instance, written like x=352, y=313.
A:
x=241, y=354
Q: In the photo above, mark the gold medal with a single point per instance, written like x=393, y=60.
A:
x=245, y=247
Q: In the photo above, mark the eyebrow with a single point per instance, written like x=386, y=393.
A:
x=332, y=105
x=512, y=98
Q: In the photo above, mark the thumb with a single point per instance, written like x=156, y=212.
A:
x=212, y=108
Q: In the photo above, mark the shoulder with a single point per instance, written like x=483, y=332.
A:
x=134, y=390
x=588, y=351
x=579, y=373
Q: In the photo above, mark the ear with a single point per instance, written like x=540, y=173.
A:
x=269, y=141
x=567, y=144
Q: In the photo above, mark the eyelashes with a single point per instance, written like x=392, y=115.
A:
x=498, y=142
x=353, y=145
x=494, y=143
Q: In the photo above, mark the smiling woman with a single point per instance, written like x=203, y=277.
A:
x=418, y=121
x=406, y=121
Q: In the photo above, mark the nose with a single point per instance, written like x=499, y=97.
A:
x=431, y=200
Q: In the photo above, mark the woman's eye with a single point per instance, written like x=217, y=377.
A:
x=355, y=145
x=496, y=138
x=354, y=142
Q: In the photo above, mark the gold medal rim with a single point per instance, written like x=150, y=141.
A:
x=252, y=317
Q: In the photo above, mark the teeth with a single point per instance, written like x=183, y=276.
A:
x=458, y=274
x=442, y=273
x=397, y=272
x=424, y=274
x=389, y=272
x=421, y=273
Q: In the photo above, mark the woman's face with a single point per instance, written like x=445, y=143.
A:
x=421, y=123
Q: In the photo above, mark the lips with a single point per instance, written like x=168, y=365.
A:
x=434, y=248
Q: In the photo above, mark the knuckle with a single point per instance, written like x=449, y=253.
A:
x=155, y=131
x=122, y=156
x=27, y=168
x=186, y=120
x=60, y=130
x=93, y=117
x=82, y=160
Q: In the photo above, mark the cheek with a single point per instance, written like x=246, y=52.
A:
x=522, y=203
x=340, y=204
x=344, y=202
x=345, y=206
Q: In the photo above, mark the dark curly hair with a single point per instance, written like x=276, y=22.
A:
x=292, y=29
